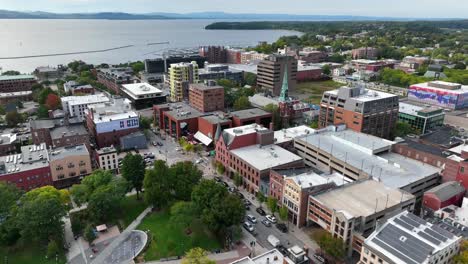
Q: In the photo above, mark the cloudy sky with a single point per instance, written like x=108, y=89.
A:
x=393, y=8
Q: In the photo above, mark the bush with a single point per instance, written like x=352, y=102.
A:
x=89, y=233
x=52, y=249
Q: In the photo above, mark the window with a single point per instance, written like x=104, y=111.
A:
x=462, y=169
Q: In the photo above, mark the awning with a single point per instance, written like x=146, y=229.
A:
x=205, y=140
x=101, y=228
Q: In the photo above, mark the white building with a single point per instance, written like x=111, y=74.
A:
x=75, y=106
x=408, y=239
x=108, y=159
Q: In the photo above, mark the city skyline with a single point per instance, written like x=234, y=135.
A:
x=415, y=9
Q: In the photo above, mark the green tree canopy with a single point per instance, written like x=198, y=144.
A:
x=272, y=204
x=197, y=256
x=274, y=110
x=11, y=73
x=157, y=185
x=182, y=212
x=133, y=170
x=242, y=103
x=332, y=246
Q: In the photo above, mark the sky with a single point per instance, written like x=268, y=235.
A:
x=388, y=8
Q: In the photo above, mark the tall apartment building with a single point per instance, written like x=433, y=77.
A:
x=360, y=156
x=351, y=213
x=16, y=83
x=207, y=97
x=108, y=122
x=69, y=164
x=360, y=109
x=406, y=238
x=180, y=76
x=271, y=71
x=214, y=54
x=76, y=106
x=218, y=71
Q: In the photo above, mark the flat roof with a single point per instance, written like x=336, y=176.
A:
x=251, y=67
x=31, y=157
x=365, y=94
x=45, y=123
x=138, y=89
x=310, y=178
x=86, y=99
x=250, y=113
x=265, y=157
x=67, y=131
x=64, y=152
x=289, y=134
x=216, y=119
x=371, y=155
x=349, y=199
x=16, y=77
x=106, y=150
x=408, y=239
x=273, y=256
x=259, y=100
x=7, y=139
x=414, y=110
x=183, y=111
x=458, y=149
x=111, y=116
x=204, y=87
x=426, y=85
x=244, y=130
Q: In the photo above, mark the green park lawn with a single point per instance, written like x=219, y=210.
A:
x=169, y=239
x=131, y=208
x=27, y=255
x=315, y=90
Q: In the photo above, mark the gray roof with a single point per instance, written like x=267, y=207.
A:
x=447, y=190
x=67, y=131
x=16, y=77
x=406, y=238
x=214, y=119
x=64, y=152
x=134, y=135
x=31, y=157
x=249, y=113
x=46, y=123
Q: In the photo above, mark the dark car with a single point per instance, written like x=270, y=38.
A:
x=240, y=195
x=282, y=250
x=224, y=183
x=160, y=144
x=217, y=179
x=266, y=223
x=247, y=202
x=155, y=143
x=282, y=227
x=260, y=211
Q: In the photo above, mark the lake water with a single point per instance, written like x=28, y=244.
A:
x=37, y=37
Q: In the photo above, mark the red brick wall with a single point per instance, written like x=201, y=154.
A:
x=113, y=138
x=37, y=178
x=433, y=202
x=309, y=75
x=276, y=185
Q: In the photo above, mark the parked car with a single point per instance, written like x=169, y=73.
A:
x=232, y=189
x=271, y=218
x=320, y=258
x=217, y=179
x=248, y=226
x=282, y=227
x=154, y=143
x=266, y=223
x=247, y=202
x=224, y=183
x=160, y=144
x=252, y=218
x=198, y=161
x=260, y=211
x=274, y=241
x=247, y=207
x=240, y=195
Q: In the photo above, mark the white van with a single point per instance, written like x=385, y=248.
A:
x=273, y=241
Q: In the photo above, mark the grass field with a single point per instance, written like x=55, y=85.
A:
x=131, y=209
x=27, y=255
x=169, y=239
x=314, y=90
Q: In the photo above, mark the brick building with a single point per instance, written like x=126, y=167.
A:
x=308, y=73
x=108, y=122
x=214, y=54
x=351, y=216
x=113, y=78
x=362, y=110
x=74, y=88
x=448, y=193
x=68, y=165
x=249, y=151
x=207, y=97
x=71, y=135
x=270, y=73
x=208, y=127
x=365, y=53
x=16, y=83
x=176, y=120
x=251, y=116
x=27, y=170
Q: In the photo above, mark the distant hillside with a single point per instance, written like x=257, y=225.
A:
x=6, y=14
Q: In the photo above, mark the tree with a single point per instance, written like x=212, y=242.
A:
x=272, y=204
x=43, y=94
x=237, y=179
x=274, y=110
x=182, y=212
x=261, y=198
x=156, y=184
x=52, y=102
x=462, y=257
x=460, y=66
x=283, y=213
x=11, y=73
x=184, y=176
x=326, y=69
x=250, y=79
x=314, y=124
x=133, y=170
x=137, y=66
x=40, y=214
x=197, y=256
x=402, y=129
x=332, y=246
x=9, y=194
x=89, y=234
x=145, y=123
x=52, y=249
x=13, y=118
x=218, y=209
x=219, y=167
x=241, y=103
x=42, y=111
